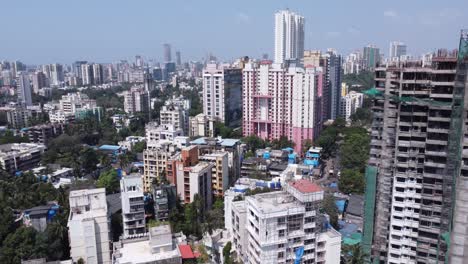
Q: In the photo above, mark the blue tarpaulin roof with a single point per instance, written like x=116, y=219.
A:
x=340, y=204
x=109, y=147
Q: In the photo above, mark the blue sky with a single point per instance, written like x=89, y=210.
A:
x=107, y=30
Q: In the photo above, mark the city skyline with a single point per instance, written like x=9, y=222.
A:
x=63, y=36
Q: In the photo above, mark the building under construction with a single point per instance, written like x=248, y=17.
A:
x=416, y=208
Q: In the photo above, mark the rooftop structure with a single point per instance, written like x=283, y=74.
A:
x=158, y=246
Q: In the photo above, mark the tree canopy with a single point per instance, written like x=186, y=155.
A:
x=109, y=180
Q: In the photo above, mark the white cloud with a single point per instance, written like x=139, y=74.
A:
x=390, y=13
x=242, y=18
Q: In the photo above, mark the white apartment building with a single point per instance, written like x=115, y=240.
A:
x=156, y=133
x=195, y=180
x=222, y=93
x=88, y=226
x=272, y=227
x=201, y=125
x=73, y=102
x=175, y=112
x=133, y=205
x=61, y=117
x=136, y=100
x=130, y=142
x=350, y=103
x=289, y=36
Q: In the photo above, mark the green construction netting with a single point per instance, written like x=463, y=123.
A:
x=372, y=92
x=369, y=207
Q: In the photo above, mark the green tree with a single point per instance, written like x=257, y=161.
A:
x=222, y=130
x=227, y=253
x=8, y=138
x=353, y=254
x=355, y=149
x=139, y=147
x=25, y=243
x=282, y=142
x=215, y=217
x=330, y=208
x=352, y=181
x=253, y=143
x=362, y=117
x=109, y=180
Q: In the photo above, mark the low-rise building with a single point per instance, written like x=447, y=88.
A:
x=157, y=133
x=158, y=246
x=88, y=226
x=18, y=157
x=17, y=117
x=43, y=133
x=61, y=117
x=130, y=141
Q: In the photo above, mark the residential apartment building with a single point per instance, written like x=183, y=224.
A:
x=350, y=103
x=44, y=133
x=20, y=157
x=273, y=227
x=133, y=205
x=88, y=226
x=195, y=180
x=220, y=171
x=136, y=100
x=23, y=89
x=175, y=112
x=201, y=125
x=289, y=36
x=17, y=117
x=282, y=101
x=155, y=162
x=155, y=134
x=222, y=94
x=415, y=159
x=73, y=102
x=397, y=49
x=370, y=57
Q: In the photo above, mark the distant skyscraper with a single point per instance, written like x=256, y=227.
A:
x=397, y=49
x=76, y=68
x=167, y=52
x=39, y=81
x=98, y=74
x=56, y=74
x=24, y=89
x=87, y=74
x=334, y=85
x=178, y=59
x=289, y=36
x=371, y=57
x=138, y=61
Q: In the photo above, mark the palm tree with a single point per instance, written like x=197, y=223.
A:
x=353, y=254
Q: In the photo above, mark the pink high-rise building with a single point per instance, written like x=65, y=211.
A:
x=282, y=101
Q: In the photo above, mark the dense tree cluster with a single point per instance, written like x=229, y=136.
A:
x=359, y=82
x=193, y=219
x=19, y=242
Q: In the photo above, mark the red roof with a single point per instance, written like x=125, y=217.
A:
x=305, y=186
x=186, y=252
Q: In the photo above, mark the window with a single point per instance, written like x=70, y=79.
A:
x=281, y=233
